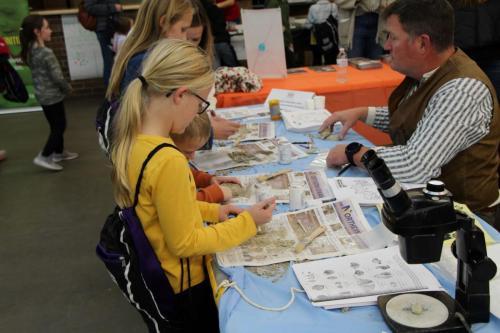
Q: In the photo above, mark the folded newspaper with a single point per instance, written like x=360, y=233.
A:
x=347, y=232
x=254, y=132
x=244, y=112
x=304, y=120
x=243, y=154
x=314, y=184
x=358, y=280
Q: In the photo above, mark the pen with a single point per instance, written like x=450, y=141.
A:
x=301, y=142
x=344, y=169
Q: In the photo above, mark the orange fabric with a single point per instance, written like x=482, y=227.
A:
x=206, y=192
x=364, y=88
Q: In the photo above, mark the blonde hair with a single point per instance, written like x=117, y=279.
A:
x=170, y=65
x=198, y=129
x=146, y=32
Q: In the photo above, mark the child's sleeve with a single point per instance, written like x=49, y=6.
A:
x=55, y=71
x=180, y=215
x=201, y=178
x=211, y=193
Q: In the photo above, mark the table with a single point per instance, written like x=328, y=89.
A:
x=364, y=88
x=237, y=316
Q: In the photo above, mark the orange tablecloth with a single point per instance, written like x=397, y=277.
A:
x=363, y=88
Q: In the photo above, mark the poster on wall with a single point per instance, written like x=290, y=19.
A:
x=12, y=14
x=263, y=34
x=82, y=49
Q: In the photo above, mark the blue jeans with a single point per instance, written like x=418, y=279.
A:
x=225, y=55
x=364, y=40
x=104, y=38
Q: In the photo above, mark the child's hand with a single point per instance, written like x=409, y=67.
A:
x=226, y=210
x=262, y=212
x=226, y=192
x=222, y=179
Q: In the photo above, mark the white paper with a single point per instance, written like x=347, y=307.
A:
x=304, y=120
x=82, y=50
x=244, y=112
x=264, y=46
x=290, y=99
x=276, y=240
x=362, y=189
x=254, y=132
x=364, y=275
x=494, y=254
x=314, y=184
x=243, y=154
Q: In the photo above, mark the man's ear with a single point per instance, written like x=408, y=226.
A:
x=424, y=43
x=179, y=94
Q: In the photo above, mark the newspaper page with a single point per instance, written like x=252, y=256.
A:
x=363, y=189
x=290, y=99
x=243, y=154
x=275, y=241
x=254, y=132
x=304, y=120
x=244, y=112
x=314, y=184
x=364, y=275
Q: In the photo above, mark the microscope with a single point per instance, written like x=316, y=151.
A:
x=422, y=218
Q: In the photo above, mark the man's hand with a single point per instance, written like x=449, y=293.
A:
x=226, y=210
x=336, y=156
x=347, y=117
x=223, y=128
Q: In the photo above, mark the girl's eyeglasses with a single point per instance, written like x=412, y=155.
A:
x=203, y=106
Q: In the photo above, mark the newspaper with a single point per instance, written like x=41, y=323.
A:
x=275, y=241
x=314, y=184
x=363, y=189
x=359, y=279
x=243, y=154
x=254, y=132
x=304, y=120
x=244, y=112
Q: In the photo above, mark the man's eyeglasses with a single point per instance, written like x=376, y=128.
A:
x=203, y=106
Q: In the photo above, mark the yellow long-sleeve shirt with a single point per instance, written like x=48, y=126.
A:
x=171, y=216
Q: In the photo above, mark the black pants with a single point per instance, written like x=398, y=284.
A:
x=195, y=312
x=56, y=117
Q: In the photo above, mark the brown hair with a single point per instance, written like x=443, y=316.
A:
x=27, y=34
x=198, y=129
x=200, y=18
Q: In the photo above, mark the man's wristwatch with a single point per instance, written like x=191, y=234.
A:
x=352, y=149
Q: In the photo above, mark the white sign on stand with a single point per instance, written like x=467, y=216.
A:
x=263, y=34
x=82, y=49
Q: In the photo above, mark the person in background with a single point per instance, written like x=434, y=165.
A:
x=443, y=119
x=165, y=97
x=224, y=51
x=104, y=11
x=361, y=27
x=287, y=33
x=231, y=10
x=193, y=138
x=318, y=13
x=50, y=88
x=123, y=24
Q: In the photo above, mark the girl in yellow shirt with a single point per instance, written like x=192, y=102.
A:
x=172, y=88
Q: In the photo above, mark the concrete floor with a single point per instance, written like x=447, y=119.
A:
x=50, y=277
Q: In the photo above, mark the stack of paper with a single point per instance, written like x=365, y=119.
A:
x=290, y=99
x=359, y=279
x=304, y=120
x=254, y=132
x=244, y=112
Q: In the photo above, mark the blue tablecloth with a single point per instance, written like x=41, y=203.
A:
x=237, y=316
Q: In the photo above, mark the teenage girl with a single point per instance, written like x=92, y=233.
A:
x=171, y=90
x=50, y=88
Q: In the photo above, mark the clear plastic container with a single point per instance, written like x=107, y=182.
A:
x=342, y=63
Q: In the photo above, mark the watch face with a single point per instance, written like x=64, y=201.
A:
x=353, y=147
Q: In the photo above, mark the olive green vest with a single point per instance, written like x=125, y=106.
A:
x=472, y=175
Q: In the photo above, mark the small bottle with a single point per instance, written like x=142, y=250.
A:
x=274, y=109
x=296, y=196
x=285, y=153
x=342, y=63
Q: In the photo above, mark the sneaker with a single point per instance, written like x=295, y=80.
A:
x=47, y=163
x=64, y=156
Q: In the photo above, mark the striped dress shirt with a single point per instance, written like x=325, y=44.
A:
x=456, y=117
